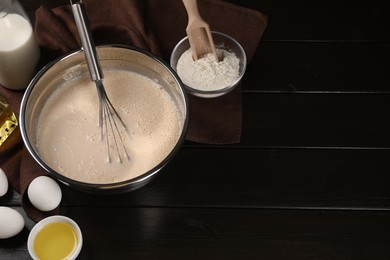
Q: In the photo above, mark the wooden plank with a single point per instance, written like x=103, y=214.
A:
x=316, y=120
x=156, y=233
x=232, y=234
x=260, y=178
x=257, y=178
x=11, y=198
x=334, y=20
x=317, y=66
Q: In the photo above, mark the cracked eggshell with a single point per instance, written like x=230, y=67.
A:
x=3, y=183
x=44, y=193
x=11, y=222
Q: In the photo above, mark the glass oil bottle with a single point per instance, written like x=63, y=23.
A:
x=8, y=120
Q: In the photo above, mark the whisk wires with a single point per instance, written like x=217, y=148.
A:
x=109, y=129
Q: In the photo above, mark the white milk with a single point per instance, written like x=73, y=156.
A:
x=19, y=52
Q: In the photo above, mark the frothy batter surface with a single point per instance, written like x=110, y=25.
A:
x=68, y=135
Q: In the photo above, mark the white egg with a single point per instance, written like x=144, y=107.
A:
x=3, y=183
x=44, y=193
x=11, y=222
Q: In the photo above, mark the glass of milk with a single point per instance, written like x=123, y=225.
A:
x=19, y=52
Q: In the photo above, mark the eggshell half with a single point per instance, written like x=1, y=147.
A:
x=11, y=222
x=44, y=193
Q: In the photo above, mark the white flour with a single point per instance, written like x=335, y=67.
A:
x=207, y=73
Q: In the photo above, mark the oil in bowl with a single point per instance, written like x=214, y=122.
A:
x=55, y=237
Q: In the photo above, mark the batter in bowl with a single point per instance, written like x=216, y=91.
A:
x=68, y=135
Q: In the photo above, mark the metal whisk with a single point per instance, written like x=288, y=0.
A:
x=109, y=119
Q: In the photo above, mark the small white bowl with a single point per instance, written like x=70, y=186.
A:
x=44, y=223
x=221, y=41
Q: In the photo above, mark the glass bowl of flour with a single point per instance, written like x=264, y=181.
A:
x=59, y=119
x=208, y=77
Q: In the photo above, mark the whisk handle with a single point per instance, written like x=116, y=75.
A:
x=82, y=23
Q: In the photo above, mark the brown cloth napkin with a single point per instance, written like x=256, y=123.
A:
x=157, y=26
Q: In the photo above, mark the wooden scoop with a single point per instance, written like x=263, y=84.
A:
x=198, y=31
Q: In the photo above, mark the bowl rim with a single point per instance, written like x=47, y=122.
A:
x=114, y=186
x=221, y=91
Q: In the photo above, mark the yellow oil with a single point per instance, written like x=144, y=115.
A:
x=8, y=121
x=57, y=240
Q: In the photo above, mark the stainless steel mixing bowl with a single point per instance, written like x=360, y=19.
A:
x=73, y=65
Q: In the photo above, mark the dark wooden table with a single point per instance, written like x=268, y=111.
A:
x=311, y=176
